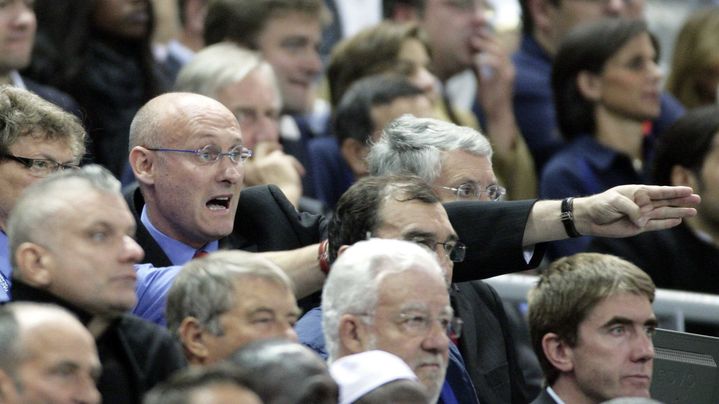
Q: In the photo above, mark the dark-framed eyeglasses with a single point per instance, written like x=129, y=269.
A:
x=212, y=153
x=455, y=250
x=471, y=191
x=41, y=167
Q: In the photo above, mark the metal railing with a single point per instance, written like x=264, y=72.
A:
x=696, y=307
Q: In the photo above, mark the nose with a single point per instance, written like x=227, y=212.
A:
x=268, y=130
x=25, y=14
x=132, y=252
x=615, y=8
x=230, y=172
x=87, y=392
x=290, y=333
x=437, y=340
x=425, y=81
x=643, y=348
x=311, y=61
x=656, y=71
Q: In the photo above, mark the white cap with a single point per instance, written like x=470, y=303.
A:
x=361, y=373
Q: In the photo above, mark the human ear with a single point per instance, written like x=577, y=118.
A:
x=589, y=85
x=354, y=336
x=142, y=162
x=558, y=352
x=34, y=265
x=683, y=176
x=193, y=342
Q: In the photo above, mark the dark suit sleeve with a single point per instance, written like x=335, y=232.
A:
x=493, y=233
x=268, y=220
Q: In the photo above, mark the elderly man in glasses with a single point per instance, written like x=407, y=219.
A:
x=406, y=208
x=36, y=138
x=456, y=162
x=391, y=295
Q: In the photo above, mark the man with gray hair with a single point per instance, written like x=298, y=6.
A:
x=222, y=302
x=390, y=295
x=71, y=235
x=455, y=160
x=36, y=139
x=246, y=84
x=46, y=355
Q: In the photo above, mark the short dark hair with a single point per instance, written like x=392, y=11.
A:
x=242, y=21
x=353, y=116
x=357, y=211
x=587, y=48
x=686, y=143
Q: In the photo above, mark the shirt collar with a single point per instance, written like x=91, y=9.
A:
x=17, y=80
x=554, y=395
x=178, y=252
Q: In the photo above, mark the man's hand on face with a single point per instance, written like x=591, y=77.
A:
x=270, y=165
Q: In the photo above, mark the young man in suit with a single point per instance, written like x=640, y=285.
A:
x=591, y=324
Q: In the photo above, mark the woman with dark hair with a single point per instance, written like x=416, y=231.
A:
x=99, y=52
x=606, y=84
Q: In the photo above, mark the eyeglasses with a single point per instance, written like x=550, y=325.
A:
x=419, y=324
x=213, y=153
x=472, y=191
x=454, y=250
x=41, y=167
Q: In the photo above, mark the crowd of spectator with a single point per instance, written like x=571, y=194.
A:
x=287, y=203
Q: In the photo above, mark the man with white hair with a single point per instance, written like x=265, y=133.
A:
x=390, y=295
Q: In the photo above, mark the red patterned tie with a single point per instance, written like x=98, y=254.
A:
x=199, y=254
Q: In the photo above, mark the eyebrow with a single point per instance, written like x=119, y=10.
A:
x=627, y=321
x=426, y=235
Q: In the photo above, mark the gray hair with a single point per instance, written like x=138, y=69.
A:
x=351, y=287
x=23, y=113
x=39, y=203
x=414, y=146
x=205, y=288
x=219, y=65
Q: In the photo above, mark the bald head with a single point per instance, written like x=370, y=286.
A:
x=46, y=340
x=169, y=111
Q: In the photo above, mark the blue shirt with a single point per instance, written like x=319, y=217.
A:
x=584, y=167
x=457, y=388
x=154, y=283
x=5, y=268
x=534, y=103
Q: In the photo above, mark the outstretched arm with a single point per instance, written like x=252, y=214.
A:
x=622, y=211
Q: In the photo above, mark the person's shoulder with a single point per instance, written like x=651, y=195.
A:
x=52, y=94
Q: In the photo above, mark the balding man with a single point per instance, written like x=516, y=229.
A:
x=46, y=355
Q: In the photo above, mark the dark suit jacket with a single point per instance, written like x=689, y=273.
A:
x=487, y=345
x=135, y=354
x=55, y=96
x=544, y=398
x=265, y=221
